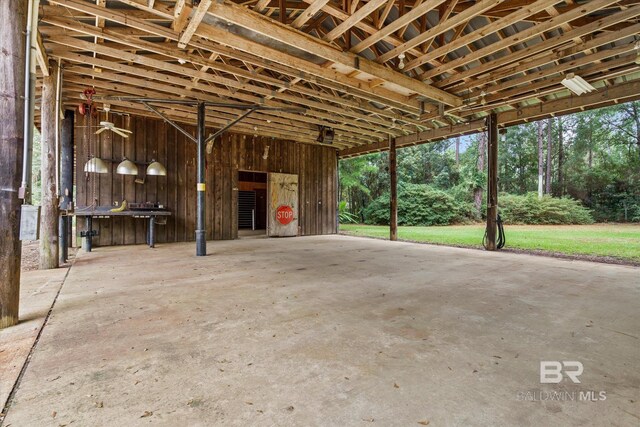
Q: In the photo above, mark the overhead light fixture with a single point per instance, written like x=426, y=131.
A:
x=577, y=84
x=156, y=168
x=401, y=63
x=96, y=165
x=127, y=167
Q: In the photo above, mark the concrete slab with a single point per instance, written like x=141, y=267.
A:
x=37, y=291
x=333, y=330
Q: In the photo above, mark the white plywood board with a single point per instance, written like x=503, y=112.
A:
x=283, y=205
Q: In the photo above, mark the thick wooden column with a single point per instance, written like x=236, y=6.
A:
x=492, y=181
x=49, y=211
x=13, y=15
x=393, y=179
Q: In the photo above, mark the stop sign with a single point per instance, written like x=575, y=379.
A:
x=284, y=214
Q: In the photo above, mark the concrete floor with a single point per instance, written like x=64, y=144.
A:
x=38, y=290
x=332, y=330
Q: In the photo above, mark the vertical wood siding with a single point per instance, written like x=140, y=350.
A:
x=315, y=166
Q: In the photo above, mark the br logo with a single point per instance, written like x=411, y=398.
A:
x=551, y=371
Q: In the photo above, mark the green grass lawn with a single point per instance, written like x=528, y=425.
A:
x=610, y=240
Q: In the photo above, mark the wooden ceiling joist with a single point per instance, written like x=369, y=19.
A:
x=462, y=60
x=622, y=93
x=283, y=34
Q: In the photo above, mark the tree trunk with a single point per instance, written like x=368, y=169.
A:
x=590, y=156
x=636, y=119
x=482, y=148
x=560, y=159
x=540, y=159
x=13, y=15
x=393, y=183
x=548, y=174
x=458, y=151
x=49, y=213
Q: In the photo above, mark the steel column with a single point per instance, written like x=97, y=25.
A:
x=201, y=237
x=66, y=182
x=492, y=181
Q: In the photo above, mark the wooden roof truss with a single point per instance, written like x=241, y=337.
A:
x=369, y=69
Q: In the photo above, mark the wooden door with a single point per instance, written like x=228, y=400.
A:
x=283, y=204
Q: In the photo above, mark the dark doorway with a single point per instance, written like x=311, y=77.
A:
x=252, y=203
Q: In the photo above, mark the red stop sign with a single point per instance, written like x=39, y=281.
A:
x=284, y=214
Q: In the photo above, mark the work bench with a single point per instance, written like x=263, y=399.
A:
x=105, y=212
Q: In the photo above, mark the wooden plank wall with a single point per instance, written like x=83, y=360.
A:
x=315, y=166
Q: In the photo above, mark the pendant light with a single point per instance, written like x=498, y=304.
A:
x=96, y=165
x=127, y=167
x=156, y=168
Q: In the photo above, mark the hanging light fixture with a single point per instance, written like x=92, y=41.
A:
x=401, y=61
x=96, y=165
x=127, y=167
x=156, y=168
x=577, y=84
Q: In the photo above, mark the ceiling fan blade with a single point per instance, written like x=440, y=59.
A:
x=122, y=134
x=124, y=130
x=100, y=130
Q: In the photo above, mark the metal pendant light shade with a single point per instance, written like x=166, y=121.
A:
x=127, y=167
x=156, y=168
x=96, y=165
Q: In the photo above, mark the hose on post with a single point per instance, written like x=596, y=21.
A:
x=501, y=239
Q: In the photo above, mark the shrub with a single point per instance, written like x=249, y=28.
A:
x=529, y=209
x=344, y=216
x=419, y=205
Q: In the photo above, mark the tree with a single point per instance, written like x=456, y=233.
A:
x=482, y=149
x=560, y=188
x=548, y=174
x=540, y=159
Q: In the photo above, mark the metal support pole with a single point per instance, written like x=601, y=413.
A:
x=24, y=191
x=89, y=234
x=66, y=183
x=393, y=179
x=63, y=251
x=152, y=231
x=201, y=241
x=492, y=182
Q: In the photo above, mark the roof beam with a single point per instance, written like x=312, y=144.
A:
x=41, y=55
x=284, y=34
x=621, y=93
x=397, y=24
x=520, y=37
x=324, y=110
x=352, y=20
x=196, y=19
x=308, y=13
x=441, y=28
x=260, y=55
x=491, y=28
x=521, y=58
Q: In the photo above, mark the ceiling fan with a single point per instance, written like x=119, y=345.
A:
x=107, y=125
x=110, y=126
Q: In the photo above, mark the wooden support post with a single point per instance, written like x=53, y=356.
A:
x=393, y=179
x=49, y=211
x=492, y=181
x=13, y=15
